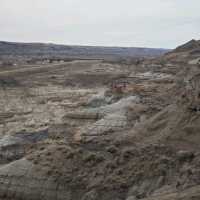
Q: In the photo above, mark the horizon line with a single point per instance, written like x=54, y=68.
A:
x=83, y=45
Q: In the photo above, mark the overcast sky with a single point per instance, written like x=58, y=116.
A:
x=144, y=23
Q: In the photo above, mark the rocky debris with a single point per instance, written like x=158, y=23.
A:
x=99, y=100
x=14, y=147
x=74, y=172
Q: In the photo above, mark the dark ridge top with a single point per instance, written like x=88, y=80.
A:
x=191, y=45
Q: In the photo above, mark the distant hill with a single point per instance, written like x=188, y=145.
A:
x=49, y=50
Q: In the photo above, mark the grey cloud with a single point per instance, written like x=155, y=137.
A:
x=156, y=23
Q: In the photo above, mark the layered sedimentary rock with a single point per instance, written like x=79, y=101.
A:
x=92, y=130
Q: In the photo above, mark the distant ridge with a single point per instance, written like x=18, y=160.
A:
x=49, y=49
